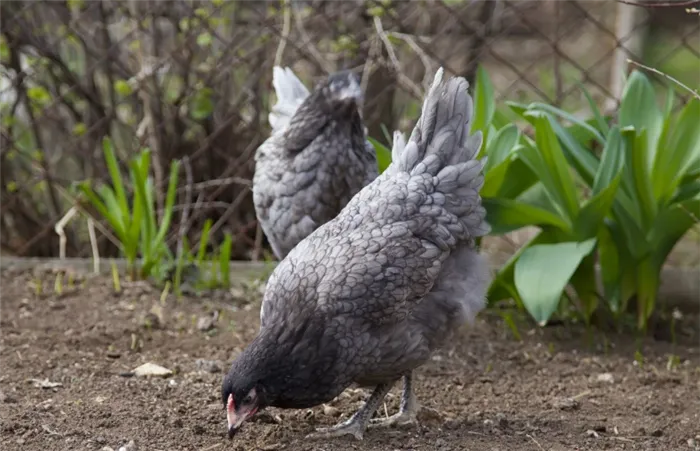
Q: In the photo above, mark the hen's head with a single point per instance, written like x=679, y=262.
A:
x=242, y=399
x=342, y=88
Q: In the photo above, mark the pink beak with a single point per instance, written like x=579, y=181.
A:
x=233, y=421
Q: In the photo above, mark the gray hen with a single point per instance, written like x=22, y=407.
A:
x=315, y=161
x=370, y=295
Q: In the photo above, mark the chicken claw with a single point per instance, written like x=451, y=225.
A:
x=352, y=427
x=357, y=424
x=408, y=411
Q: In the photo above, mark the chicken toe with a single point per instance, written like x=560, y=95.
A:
x=357, y=424
x=408, y=410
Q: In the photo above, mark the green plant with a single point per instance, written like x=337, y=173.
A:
x=202, y=270
x=134, y=223
x=644, y=196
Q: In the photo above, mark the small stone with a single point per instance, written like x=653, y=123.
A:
x=100, y=440
x=151, y=369
x=206, y=323
x=131, y=446
x=592, y=433
x=46, y=384
x=209, y=366
x=330, y=411
x=606, y=377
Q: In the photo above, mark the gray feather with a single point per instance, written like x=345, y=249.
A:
x=316, y=159
x=369, y=295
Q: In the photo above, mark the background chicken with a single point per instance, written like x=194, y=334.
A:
x=317, y=158
x=368, y=296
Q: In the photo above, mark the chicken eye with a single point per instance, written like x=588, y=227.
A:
x=247, y=399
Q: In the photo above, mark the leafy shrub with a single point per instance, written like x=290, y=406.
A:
x=644, y=196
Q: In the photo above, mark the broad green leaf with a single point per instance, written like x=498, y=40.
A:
x=628, y=230
x=555, y=175
x=484, y=107
x=502, y=117
x=493, y=179
x=580, y=135
x=578, y=155
x=682, y=151
x=686, y=191
x=670, y=226
x=501, y=146
x=518, y=178
x=502, y=286
x=506, y=215
x=642, y=178
x=543, y=271
x=518, y=108
x=611, y=161
x=383, y=154
x=591, y=215
x=639, y=109
x=569, y=117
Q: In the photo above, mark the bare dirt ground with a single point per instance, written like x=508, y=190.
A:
x=551, y=391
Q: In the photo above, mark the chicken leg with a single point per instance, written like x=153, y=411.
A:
x=408, y=409
x=357, y=424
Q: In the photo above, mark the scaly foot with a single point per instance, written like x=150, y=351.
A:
x=352, y=427
x=357, y=424
x=408, y=412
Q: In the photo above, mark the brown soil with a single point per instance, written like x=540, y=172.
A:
x=488, y=390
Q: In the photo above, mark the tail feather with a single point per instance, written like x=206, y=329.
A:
x=441, y=146
x=290, y=92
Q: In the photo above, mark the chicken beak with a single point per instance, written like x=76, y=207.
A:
x=234, y=420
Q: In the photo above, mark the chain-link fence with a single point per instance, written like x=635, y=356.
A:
x=193, y=79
